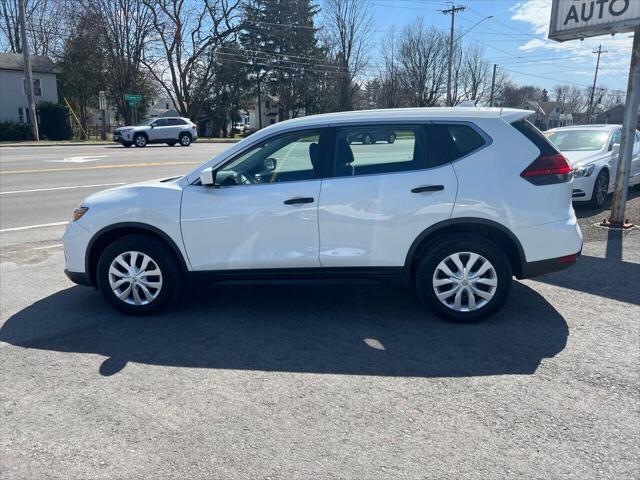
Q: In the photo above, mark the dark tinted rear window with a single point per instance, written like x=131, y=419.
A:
x=535, y=136
x=176, y=121
x=448, y=142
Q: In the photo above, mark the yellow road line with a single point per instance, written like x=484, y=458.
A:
x=99, y=167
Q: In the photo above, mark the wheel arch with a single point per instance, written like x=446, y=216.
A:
x=488, y=229
x=109, y=234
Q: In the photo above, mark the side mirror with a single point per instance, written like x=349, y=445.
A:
x=615, y=149
x=208, y=177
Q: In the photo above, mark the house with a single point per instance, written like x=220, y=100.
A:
x=548, y=114
x=14, y=105
x=162, y=107
x=615, y=115
x=269, y=110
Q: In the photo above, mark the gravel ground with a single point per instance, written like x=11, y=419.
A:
x=326, y=381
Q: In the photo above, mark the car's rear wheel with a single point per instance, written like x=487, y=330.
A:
x=391, y=138
x=185, y=139
x=463, y=279
x=139, y=275
x=600, y=190
x=140, y=140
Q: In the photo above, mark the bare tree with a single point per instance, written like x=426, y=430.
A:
x=45, y=21
x=350, y=23
x=423, y=57
x=476, y=78
x=390, y=90
x=183, y=48
x=126, y=28
x=572, y=98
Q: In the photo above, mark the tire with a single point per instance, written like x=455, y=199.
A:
x=162, y=288
x=171, y=143
x=600, y=190
x=140, y=140
x=126, y=144
x=495, y=281
x=185, y=139
x=391, y=138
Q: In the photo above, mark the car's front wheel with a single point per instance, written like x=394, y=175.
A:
x=463, y=278
x=140, y=140
x=600, y=190
x=139, y=275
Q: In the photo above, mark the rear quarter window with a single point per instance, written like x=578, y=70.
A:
x=449, y=142
x=535, y=136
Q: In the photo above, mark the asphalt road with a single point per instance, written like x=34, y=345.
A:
x=304, y=381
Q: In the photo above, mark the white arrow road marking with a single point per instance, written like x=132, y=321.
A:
x=29, y=227
x=63, y=188
x=88, y=158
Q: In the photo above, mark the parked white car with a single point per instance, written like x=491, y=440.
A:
x=169, y=130
x=593, y=152
x=460, y=202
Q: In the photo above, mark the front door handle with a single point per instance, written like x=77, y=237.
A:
x=297, y=200
x=428, y=188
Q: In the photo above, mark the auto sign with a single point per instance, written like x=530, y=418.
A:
x=576, y=19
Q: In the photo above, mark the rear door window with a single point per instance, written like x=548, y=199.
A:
x=176, y=121
x=376, y=149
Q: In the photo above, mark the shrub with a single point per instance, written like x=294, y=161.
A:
x=54, y=121
x=12, y=131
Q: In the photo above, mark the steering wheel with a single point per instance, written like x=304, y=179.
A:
x=243, y=179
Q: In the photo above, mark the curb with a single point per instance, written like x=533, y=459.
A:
x=84, y=144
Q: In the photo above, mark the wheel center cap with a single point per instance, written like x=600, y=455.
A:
x=465, y=282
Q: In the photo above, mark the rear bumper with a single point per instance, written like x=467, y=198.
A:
x=535, y=269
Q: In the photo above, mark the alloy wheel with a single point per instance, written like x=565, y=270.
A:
x=135, y=278
x=601, y=189
x=465, y=281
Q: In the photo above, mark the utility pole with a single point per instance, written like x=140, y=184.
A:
x=493, y=84
x=632, y=104
x=451, y=11
x=595, y=79
x=33, y=117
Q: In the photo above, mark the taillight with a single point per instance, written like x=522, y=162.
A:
x=548, y=169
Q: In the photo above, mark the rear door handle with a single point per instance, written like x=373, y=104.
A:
x=428, y=188
x=297, y=200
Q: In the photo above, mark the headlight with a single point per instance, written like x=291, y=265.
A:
x=585, y=171
x=79, y=212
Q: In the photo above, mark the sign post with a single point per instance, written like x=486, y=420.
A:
x=133, y=100
x=102, y=99
x=578, y=19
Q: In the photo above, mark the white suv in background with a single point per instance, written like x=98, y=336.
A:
x=593, y=153
x=461, y=201
x=169, y=130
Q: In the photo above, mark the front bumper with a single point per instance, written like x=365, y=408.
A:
x=76, y=241
x=583, y=188
x=81, y=278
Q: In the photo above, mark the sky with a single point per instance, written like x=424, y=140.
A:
x=516, y=40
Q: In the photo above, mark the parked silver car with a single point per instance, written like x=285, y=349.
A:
x=169, y=130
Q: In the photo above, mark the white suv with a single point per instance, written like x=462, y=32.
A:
x=169, y=130
x=460, y=202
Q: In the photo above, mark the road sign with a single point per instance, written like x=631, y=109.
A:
x=102, y=100
x=577, y=19
x=133, y=98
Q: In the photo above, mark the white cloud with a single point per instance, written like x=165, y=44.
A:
x=536, y=13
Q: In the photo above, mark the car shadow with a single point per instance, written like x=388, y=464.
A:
x=351, y=329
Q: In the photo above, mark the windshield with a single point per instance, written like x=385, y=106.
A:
x=147, y=121
x=578, y=140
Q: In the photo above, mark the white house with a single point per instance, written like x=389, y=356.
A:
x=548, y=114
x=269, y=112
x=14, y=106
